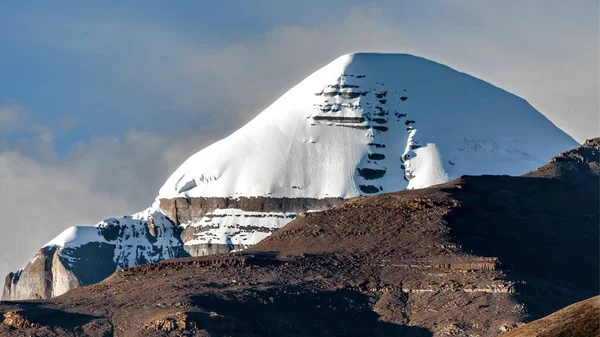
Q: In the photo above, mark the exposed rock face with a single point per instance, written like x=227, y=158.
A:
x=188, y=210
x=46, y=275
x=362, y=125
x=177, y=322
x=474, y=257
x=37, y=280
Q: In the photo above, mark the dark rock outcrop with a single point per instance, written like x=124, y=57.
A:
x=187, y=210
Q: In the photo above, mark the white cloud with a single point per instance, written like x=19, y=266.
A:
x=38, y=201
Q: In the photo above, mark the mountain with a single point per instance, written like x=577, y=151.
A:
x=362, y=125
x=577, y=320
x=476, y=256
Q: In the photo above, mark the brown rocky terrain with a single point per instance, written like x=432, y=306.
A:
x=477, y=256
x=581, y=319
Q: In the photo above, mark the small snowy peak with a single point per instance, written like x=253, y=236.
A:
x=75, y=236
x=147, y=236
x=372, y=123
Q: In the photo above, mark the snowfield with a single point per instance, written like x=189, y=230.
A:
x=391, y=115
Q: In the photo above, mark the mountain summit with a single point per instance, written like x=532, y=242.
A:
x=371, y=123
x=363, y=124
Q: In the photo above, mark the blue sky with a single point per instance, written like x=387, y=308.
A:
x=101, y=100
x=64, y=60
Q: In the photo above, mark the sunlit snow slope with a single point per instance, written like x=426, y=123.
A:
x=363, y=124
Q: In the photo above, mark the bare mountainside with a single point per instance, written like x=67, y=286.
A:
x=479, y=255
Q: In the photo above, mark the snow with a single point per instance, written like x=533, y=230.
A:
x=237, y=226
x=286, y=151
x=76, y=236
x=132, y=244
x=428, y=161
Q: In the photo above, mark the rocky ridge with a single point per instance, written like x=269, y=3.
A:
x=581, y=319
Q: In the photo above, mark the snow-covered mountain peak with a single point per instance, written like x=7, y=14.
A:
x=363, y=124
x=369, y=123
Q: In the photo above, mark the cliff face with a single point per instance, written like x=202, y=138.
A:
x=188, y=210
x=364, y=124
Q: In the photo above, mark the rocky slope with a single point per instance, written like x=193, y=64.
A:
x=362, y=125
x=581, y=319
x=477, y=256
